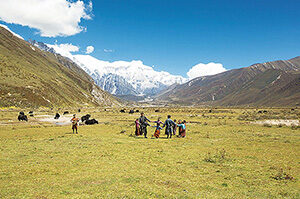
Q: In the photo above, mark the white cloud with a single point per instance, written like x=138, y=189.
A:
x=69, y=47
x=51, y=17
x=64, y=49
x=89, y=49
x=108, y=50
x=205, y=69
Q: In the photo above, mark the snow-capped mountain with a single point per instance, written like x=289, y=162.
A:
x=143, y=79
x=119, y=77
x=114, y=84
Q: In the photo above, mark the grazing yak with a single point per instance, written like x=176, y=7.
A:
x=90, y=122
x=137, y=111
x=22, y=117
x=85, y=117
x=66, y=112
x=156, y=111
x=79, y=110
x=57, y=116
x=30, y=112
x=122, y=111
x=131, y=111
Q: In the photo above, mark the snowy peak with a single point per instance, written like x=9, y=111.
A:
x=144, y=79
x=119, y=77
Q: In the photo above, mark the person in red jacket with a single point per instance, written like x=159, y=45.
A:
x=75, y=121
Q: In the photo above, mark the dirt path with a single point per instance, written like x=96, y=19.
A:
x=279, y=122
x=63, y=120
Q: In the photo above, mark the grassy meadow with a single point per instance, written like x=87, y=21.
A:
x=224, y=155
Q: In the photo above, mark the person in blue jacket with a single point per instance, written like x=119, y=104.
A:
x=169, y=126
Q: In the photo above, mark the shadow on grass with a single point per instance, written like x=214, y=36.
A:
x=70, y=133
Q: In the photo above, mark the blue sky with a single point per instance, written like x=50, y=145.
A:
x=174, y=35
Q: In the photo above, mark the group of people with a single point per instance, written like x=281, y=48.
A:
x=141, y=125
x=170, y=126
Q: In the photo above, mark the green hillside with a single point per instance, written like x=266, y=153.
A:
x=34, y=78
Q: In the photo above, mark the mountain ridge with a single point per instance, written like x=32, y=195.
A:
x=245, y=86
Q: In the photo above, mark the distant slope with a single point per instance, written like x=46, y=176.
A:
x=270, y=84
x=33, y=78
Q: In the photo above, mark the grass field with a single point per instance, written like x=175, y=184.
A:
x=224, y=155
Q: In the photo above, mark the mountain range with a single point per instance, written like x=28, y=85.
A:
x=121, y=78
x=35, y=74
x=31, y=77
x=274, y=83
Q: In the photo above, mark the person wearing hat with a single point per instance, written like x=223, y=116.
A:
x=143, y=120
x=74, y=121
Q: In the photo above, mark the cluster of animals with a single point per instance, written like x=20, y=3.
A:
x=264, y=111
x=22, y=117
x=170, y=126
x=134, y=111
x=130, y=112
x=84, y=119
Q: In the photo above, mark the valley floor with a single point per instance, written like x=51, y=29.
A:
x=225, y=155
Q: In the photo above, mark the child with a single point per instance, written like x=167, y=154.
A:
x=182, y=129
x=137, y=127
x=179, y=128
x=174, y=127
x=157, y=131
x=157, y=128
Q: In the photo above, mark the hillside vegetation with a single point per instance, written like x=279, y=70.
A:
x=34, y=78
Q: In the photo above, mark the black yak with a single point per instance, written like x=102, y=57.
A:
x=90, y=122
x=57, y=116
x=131, y=111
x=85, y=117
x=122, y=111
x=66, y=112
x=22, y=117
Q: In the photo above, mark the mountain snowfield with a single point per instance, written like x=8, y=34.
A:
x=144, y=79
x=123, y=77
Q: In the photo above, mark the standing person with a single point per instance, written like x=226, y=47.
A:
x=157, y=131
x=174, y=127
x=137, y=127
x=169, y=124
x=74, y=121
x=157, y=128
x=143, y=124
x=182, y=127
x=179, y=128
